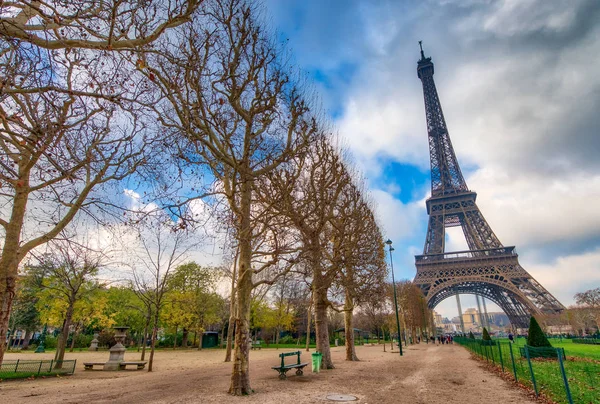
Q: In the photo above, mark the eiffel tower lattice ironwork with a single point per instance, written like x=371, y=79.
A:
x=488, y=268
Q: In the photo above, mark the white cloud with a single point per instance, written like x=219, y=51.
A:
x=520, y=91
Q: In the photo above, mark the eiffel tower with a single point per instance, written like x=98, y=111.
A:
x=487, y=268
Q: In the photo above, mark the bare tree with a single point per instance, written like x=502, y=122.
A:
x=70, y=124
x=358, y=251
x=590, y=299
x=232, y=99
x=92, y=24
x=70, y=270
x=309, y=193
x=163, y=246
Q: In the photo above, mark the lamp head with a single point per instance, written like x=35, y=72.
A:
x=391, y=248
x=389, y=242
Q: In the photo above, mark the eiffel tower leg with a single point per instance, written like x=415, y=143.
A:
x=481, y=323
x=477, y=229
x=436, y=232
x=485, y=313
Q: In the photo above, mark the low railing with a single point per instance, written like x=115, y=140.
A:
x=20, y=368
x=490, y=252
x=544, y=370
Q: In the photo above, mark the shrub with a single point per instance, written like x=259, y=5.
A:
x=486, y=335
x=536, y=336
x=287, y=339
x=50, y=342
x=106, y=338
x=471, y=335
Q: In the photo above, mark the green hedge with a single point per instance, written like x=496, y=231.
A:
x=589, y=341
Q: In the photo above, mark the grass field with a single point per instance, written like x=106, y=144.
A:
x=582, y=368
x=576, y=350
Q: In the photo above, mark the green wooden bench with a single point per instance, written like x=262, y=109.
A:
x=284, y=368
x=255, y=345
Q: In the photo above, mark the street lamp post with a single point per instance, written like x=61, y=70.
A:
x=389, y=243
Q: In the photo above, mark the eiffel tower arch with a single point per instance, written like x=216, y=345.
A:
x=487, y=268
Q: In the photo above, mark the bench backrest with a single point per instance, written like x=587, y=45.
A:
x=283, y=355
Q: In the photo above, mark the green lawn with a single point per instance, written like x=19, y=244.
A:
x=571, y=349
x=582, y=368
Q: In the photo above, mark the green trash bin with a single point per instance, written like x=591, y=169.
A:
x=316, y=362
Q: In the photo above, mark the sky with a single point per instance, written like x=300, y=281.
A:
x=519, y=83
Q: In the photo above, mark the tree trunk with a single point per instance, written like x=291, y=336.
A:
x=184, y=338
x=383, y=332
x=11, y=253
x=27, y=339
x=153, y=342
x=308, y=319
x=321, y=320
x=175, y=339
x=240, y=374
x=7, y=296
x=145, y=337
x=75, y=332
x=64, y=335
x=349, y=329
x=232, y=308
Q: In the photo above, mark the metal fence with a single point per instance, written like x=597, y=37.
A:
x=26, y=368
x=547, y=371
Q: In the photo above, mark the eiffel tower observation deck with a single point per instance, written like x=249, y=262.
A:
x=487, y=269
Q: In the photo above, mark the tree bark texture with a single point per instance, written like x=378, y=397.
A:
x=232, y=309
x=75, y=333
x=153, y=342
x=9, y=261
x=240, y=375
x=308, y=320
x=27, y=340
x=64, y=335
x=349, y=329
x=322, y=322
x=145, y=338
x=184, y=338
x=7, y=296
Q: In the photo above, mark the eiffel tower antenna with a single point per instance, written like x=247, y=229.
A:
x=487, y=268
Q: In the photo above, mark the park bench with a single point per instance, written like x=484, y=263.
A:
x=284, y=368
x=255, y=345
x=140, y=365
x=90, y=365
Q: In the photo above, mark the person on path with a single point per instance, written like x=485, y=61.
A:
x=511, y=337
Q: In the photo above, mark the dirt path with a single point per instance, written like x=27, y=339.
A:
x=425, y=374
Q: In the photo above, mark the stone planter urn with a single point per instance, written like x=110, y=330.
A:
x=117, y=352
